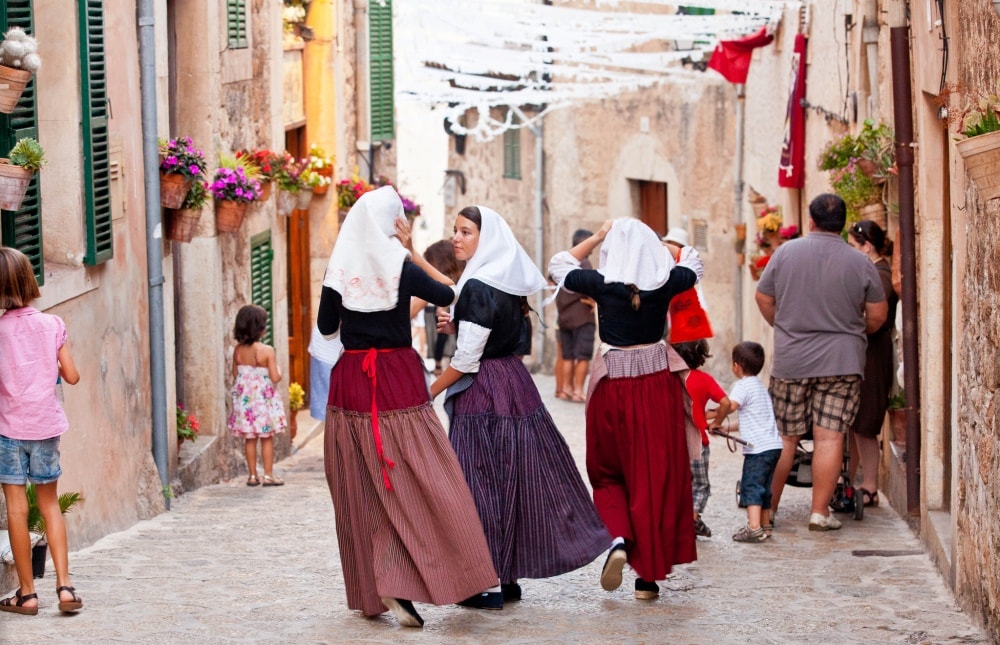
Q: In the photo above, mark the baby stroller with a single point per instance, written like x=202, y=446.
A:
x=844, y=497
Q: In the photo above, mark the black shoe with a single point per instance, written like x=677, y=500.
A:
x=404, y=612
x=611, y=574
x=511, y=592
x=485, y=600
x=645, y=590
x=700, y=528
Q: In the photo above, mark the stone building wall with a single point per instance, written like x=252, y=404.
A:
x=977, y=540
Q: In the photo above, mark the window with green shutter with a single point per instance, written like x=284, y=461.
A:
x=512, y=153
x=96, y=153
x=236, y=23
x=22, y=229
x=380, y=69
x=261, y=256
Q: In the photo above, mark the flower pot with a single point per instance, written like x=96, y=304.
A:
x=229, y=215
x=982, y=162
x=304, y=198
x=12, y=83
x=321, y=190
x=182, y=223
x=342, y=215
x=39, y=553
x=897, y=425
x=293, y=424
x=286, y=202
x=265, y=190
x=173, y=189
x=14, y=182
x=874, y=213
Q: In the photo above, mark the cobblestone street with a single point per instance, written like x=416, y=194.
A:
x=234, y=564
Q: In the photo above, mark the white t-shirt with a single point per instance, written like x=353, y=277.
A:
x=756, y=414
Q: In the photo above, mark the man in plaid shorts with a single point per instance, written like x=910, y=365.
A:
x=822, y=297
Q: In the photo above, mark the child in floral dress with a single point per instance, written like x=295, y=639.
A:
x=258, y=411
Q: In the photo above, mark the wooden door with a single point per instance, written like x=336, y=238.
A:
x=299, y=293
x=653, y=205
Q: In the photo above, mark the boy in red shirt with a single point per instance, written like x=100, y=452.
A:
x=701, y=388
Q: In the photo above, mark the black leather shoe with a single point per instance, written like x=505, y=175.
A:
x=646, y=590
x=511, y=592
x=485, y=600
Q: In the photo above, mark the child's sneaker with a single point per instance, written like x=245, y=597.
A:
x=700, y=528
x=747, y=534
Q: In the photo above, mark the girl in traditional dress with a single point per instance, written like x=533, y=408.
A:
x=637, y=457
x=406, y=524
x=535, y=509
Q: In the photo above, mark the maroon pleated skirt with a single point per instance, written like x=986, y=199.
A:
x=406, y=523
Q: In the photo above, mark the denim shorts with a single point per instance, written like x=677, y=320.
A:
x=24, y=460
x=755, y=484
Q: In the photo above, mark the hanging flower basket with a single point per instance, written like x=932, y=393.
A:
x=286, y=202
x=182, y=223
x=982, y=161
x=265, y=190
x=14, y=182
x=12, y=83
x=229, y=215
x=303, y=200
x=173, y=188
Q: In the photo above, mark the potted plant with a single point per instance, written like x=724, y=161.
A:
x=859, y=169
x=262, y=165
x=296, y=399
x=183, y=221
x=36, y=525
x=349, y=191
x=897, y=417
x=19, y=59
x=187, y=425
x=181, y=164
x=410, y=208
x=25, y=159
x=979, y=121
x=233, y=191
x=322, y=166
x=290, y=182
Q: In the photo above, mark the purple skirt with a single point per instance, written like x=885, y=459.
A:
x=535, y=509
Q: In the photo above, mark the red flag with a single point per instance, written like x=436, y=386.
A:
x=688, y=320
x=793, y=150
x=731, y=58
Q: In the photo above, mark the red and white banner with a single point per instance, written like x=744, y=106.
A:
x=791, y=171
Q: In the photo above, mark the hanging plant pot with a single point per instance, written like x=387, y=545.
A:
x=325, y=171
x=303, y=199
x=12, y=83
x=874, y=213
x=982, y=161
x=229, y=215
x=265, y=191
x=342, y=215
x=14, y=182
x=286, y=202
x=321, y=190
x=181, y=223
x=173, y=189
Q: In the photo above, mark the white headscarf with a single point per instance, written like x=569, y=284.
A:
x=632, y=253
x=500, y=261
x=367, y=259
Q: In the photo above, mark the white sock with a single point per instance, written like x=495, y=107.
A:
x=495, y=589
x=618, y=540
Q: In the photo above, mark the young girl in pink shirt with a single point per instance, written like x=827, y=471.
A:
x=33, y=354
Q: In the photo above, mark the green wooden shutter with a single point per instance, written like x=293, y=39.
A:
x=22, y=229
x=695, y=11
x=236, y=23
x=96, y=154
x=512, y=154
x=261, y=256
x=383, y=127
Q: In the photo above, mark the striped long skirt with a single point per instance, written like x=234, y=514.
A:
x=534, y=506
x=406, y=523
x=637, y=459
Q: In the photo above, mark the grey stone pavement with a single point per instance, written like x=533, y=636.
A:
x=234, y=564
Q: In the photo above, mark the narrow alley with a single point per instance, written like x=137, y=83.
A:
x=231, y=563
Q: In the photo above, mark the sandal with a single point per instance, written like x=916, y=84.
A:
x=69, y=606
x=271, y=480
x=253, y=481
x=565, y=396
x=868, y=498
x=15, y=604
x=578, y=398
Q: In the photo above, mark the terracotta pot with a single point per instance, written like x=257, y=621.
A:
x=229, y=215
x=12, y=83
x=982, y=162
x=265, y=190
x=293, y=424
x=182, y=223
x=14, y=182
x=875, y=213
x=321, y=190
x=897, y=425
x=173, y=189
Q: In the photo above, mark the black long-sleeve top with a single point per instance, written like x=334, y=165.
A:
x=619, y=323
x=381, y=329
x=498, y=311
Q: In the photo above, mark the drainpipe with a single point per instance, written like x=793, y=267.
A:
x=154, y=249
x=899, y=35
x=537, y=131
x=738, y=210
